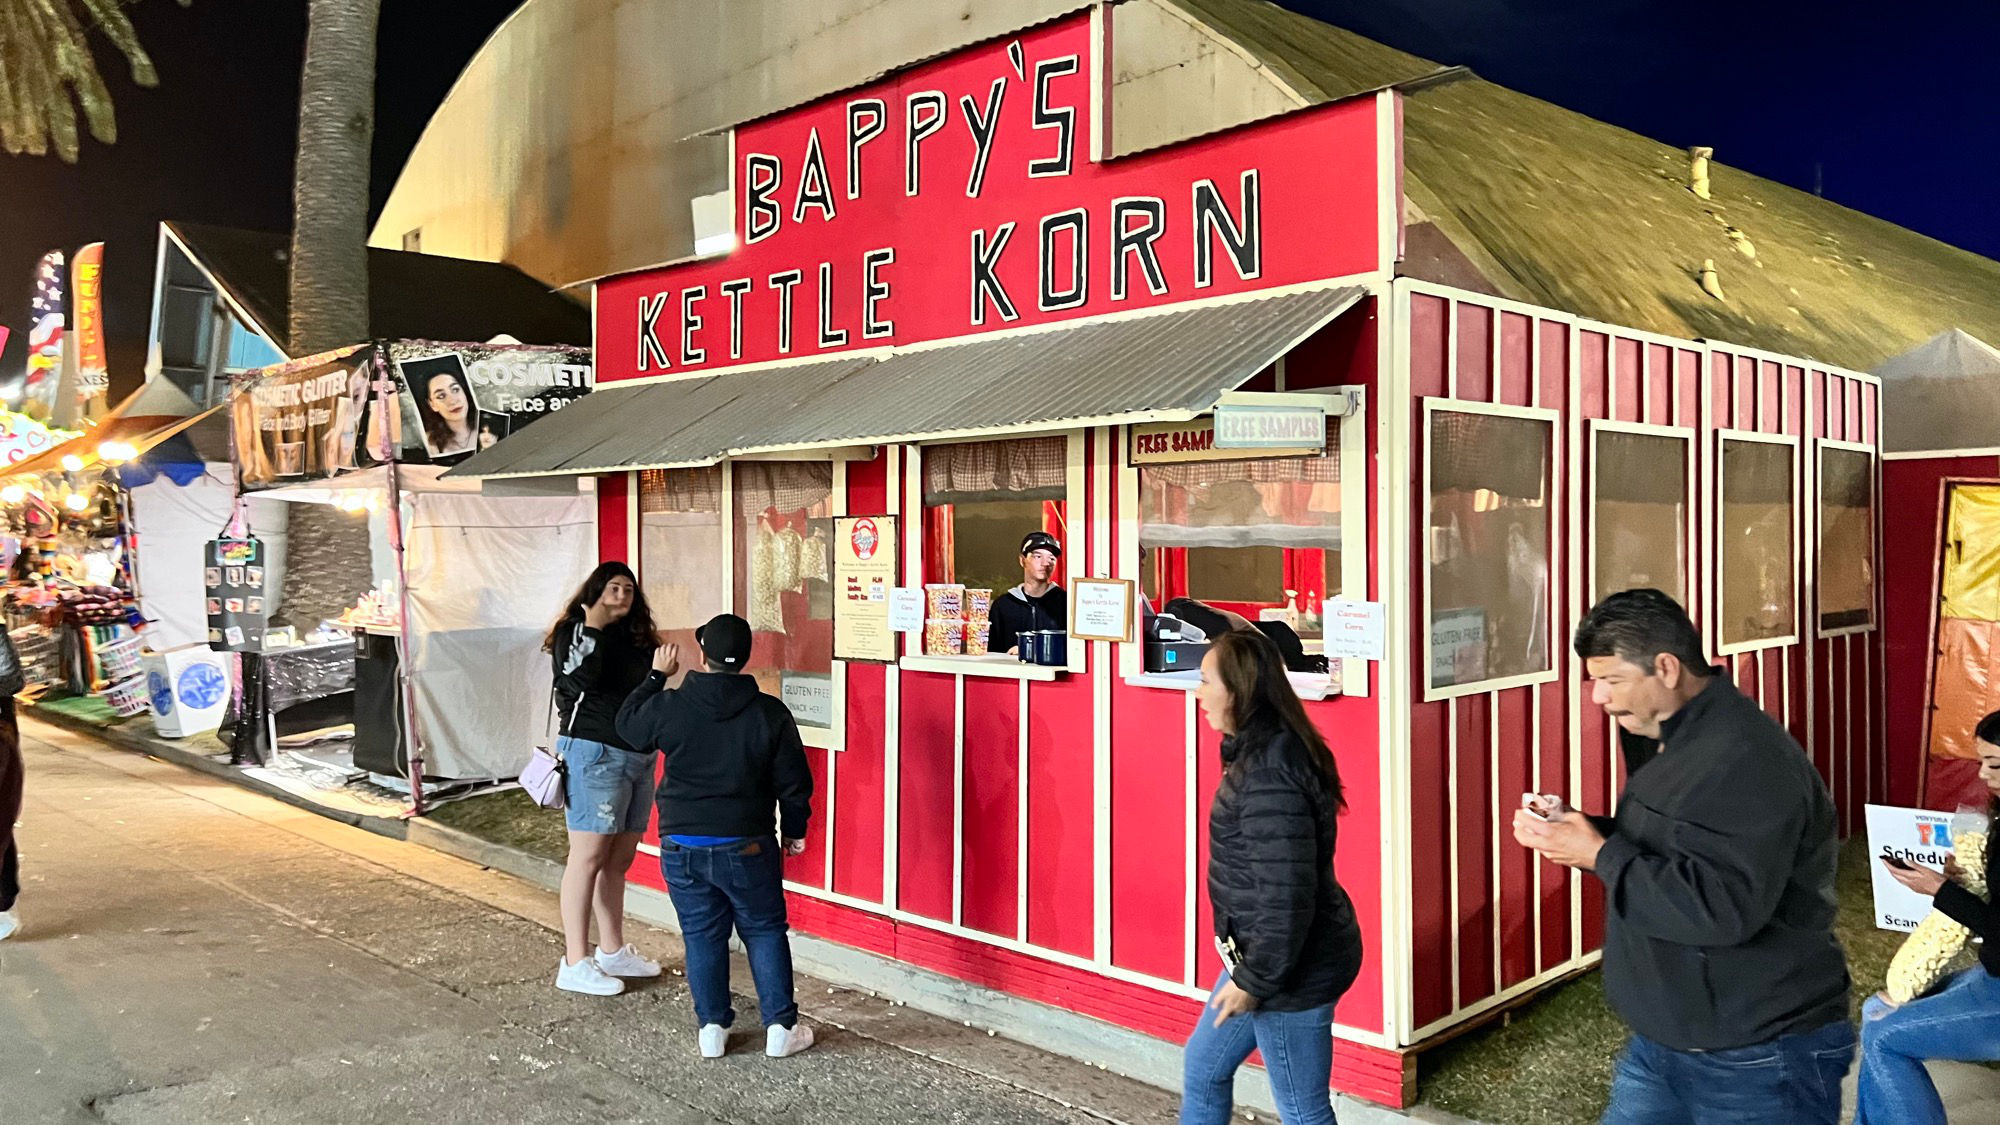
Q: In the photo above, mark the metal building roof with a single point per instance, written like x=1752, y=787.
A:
x=1171, y=364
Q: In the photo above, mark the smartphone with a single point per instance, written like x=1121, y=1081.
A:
x=1544, y=806
x=1898, y=862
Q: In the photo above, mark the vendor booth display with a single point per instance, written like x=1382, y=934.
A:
x=1941, y=474
x=1194, y=372
x=441, y=660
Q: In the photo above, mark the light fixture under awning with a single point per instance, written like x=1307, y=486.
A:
x=1169, y=364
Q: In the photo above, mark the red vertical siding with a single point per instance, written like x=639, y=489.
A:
x=992, y=769
x=859, y=823
x=924, y=806
x=808, y=868
x=1061, y=797
x=613, y=536
x=1149, y=817
x=1628, y=379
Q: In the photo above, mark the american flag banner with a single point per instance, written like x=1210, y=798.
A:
x=48, y=313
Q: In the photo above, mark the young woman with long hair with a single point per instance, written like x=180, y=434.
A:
x=1959, y=1021
x=601, y=648
x=1290, y=942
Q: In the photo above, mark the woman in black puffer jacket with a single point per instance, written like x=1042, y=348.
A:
x=1290, y=942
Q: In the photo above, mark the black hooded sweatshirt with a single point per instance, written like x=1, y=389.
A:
x=732, y=755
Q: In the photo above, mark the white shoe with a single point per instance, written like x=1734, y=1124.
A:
x=714, y=1040
x=627, y=963
x=587, y=978
x=9, y=923
x=784, y=1042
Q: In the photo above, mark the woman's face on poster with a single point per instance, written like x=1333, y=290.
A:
x=447, y=398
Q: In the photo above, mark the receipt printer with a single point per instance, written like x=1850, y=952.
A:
x=1172, y=645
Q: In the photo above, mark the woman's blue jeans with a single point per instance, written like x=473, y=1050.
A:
x=1298, y=1057
x=1961, y=1023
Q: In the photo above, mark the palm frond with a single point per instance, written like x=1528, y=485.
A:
x=49, y=80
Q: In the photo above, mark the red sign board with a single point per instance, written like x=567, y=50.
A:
x=960, y=197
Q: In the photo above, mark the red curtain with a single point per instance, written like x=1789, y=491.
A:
x=1054, y=524
x=940, y=545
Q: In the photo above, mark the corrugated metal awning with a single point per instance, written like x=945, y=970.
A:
x=1169, y=364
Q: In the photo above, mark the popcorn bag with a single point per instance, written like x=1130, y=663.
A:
x=1928, y=952
x=944, y=638
x=976, y=635
x=944, y=602
x=978, y=605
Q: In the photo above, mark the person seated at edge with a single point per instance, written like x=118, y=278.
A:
x=1959, y=1021
x=1037, y=603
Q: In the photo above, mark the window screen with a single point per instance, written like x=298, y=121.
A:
x=1488, y=546
x=1846, y=538
x=1754, y=529
x=1639, y=526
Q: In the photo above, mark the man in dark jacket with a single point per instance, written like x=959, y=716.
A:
x=732, y=756
x=1037, y=603
x=1718, y=873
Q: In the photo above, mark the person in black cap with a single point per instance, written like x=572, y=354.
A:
x=1037, y=603
x=732, y=756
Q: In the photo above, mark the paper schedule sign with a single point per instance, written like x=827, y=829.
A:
x=1921, y=836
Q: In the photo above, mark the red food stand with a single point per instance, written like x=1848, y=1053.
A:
x=945, y=312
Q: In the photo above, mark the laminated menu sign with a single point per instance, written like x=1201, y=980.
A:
x=234, y=585
x=864, y=573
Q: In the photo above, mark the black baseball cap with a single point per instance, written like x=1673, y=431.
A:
x=725, y=641
x=1040, y=541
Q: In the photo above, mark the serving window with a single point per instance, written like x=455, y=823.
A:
x=1258, y=537
x=781, y=547
x=1757, y=606
x=1846, y=538
x=980, y=500
x=1487, y=482
x=680, y=547
x=1642, y=488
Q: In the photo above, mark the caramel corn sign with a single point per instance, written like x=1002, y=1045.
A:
x=961, y=197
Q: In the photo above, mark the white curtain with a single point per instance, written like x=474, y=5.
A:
x=486, y=578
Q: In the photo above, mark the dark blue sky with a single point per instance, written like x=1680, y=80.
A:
x=1896, y=103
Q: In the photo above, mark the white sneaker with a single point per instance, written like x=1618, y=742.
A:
x=587, y=978
x=627, y=963
x=784, y=1042
x=9, y=923
x=714, y=1040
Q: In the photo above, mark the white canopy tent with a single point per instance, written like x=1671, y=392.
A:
x=482, y=577
x=1942, y=396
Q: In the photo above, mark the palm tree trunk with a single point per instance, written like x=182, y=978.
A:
x=329, y=291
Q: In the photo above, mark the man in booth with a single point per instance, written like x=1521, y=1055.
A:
x=1037, y=603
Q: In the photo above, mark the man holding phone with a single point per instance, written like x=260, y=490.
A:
x=1718, y=872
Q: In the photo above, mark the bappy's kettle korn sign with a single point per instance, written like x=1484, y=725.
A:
x=963, y=196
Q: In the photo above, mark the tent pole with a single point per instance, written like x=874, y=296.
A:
x=413, y=729
x=387, y=401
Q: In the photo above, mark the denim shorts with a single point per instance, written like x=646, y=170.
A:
x=610, y=789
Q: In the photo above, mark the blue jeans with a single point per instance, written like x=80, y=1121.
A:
x=1298, y=1057
x=741, y=885
x=610, y=789
x=1793, y=1079
x=1961, y=1022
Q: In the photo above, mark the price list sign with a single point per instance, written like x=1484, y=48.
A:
x=234, y=584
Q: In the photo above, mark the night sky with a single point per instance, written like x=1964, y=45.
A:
x=1890, y=107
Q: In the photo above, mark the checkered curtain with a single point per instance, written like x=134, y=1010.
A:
x=1016, y=469
x=782, y=486
x=1495, y=453
x=680, y=490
